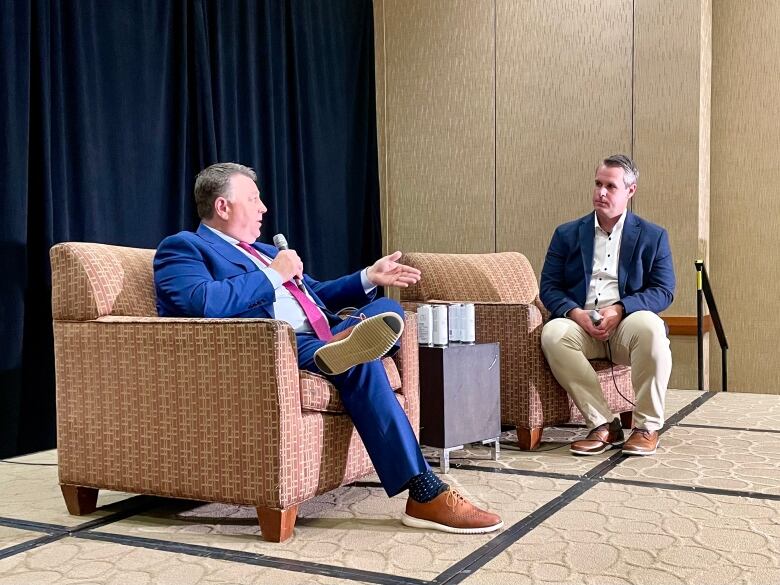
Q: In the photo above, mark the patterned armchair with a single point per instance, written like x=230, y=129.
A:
x=205, y=409
x=505, y=293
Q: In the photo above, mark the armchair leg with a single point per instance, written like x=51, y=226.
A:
x=529, y=439
x=627, y=419
x=276, y=525
x=79, y=500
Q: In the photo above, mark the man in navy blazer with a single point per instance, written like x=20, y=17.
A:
x=606, y=277
x=220, y=271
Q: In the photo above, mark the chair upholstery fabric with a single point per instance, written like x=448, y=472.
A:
x=206, y=409
x=505, y=293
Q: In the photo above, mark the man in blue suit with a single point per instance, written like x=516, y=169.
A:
x=219, y=271
x=606, y=277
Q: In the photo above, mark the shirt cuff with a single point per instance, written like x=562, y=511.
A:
x=368, y=286
x=273, y=276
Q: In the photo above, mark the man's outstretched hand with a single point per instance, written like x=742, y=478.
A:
x=387, y=271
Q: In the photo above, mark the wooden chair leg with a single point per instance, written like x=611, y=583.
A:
x=276, y=525
x=627, y=419
x=79, y=500
x=529, y=439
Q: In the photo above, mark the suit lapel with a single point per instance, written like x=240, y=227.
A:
x=631, y=231
x=587, y=235
x=230, y=253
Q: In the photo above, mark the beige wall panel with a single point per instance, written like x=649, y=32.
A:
x=439, y=123
x=685, y=373
x=563, y=101
x=671, y=142
x=745, y=223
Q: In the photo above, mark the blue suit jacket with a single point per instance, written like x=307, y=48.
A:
x=201, y=275
x=645, y=272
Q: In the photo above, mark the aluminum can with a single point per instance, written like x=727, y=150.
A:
x=424, y=325
x=467, y=320
x=456, y=322
x=440, y=331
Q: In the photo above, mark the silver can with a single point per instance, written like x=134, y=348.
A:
x=424, y=325
x=440, y=331
x=468, y=326
x=454, y=313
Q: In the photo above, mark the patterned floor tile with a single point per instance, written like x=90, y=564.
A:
x=32, y=492
x=73, y=561
x=627, y=535
x=355, y=527
x=737, y=409
x=713, y=458
x=13, y=536
x=553, y=455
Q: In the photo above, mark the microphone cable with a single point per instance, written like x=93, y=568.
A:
x=612, y=370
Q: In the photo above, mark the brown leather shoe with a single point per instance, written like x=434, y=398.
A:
x=641, y=442
x=600, y=439
x=366, y=341
x=450, y=512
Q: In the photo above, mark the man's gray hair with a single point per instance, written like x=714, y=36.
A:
x=213, y=182
x=623, y=161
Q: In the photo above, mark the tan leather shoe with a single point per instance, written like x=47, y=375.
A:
x=600, y=439
x=366, y=341
x=450, y=512
x=641, y=442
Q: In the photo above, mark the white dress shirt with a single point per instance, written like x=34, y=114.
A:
x=286, y=308
x=604, y=290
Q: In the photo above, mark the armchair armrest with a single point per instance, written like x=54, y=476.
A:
x=201, y=408
x=407, y=360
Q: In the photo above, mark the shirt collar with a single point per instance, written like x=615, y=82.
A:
x=224, y=236
x=618, y=226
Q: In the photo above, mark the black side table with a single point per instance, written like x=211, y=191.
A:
x=460, y=397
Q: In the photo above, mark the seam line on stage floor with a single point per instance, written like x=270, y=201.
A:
x=477, y=559
x=454, y=574
x=722, y=428
x=248, y=558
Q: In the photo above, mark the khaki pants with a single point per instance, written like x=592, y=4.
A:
x=639, y=341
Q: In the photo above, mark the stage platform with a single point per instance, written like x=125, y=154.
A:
x=705, y=510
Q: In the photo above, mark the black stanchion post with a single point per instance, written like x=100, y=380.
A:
x=700, y=322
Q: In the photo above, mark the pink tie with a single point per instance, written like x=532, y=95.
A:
x=317, y=320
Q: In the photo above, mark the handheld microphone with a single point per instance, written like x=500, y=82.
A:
x=595, y=317
x=281, y=244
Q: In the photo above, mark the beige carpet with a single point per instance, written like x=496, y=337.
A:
x=704, y=510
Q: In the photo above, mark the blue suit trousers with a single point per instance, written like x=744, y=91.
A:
x=371, y=404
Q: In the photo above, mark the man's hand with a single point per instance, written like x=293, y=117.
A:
x=581, y=318
x=388, y=272
x=610, y=319
x=287, y=264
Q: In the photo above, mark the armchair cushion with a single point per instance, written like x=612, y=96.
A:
x=319, y=395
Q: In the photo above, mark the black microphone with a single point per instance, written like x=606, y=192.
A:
x=281, y=244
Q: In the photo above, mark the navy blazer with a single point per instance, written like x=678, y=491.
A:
x=645, y=272
x=201, y=275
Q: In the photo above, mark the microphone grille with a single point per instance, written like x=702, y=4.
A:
x=280, y=241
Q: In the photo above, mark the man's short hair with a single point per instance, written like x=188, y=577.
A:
x=213, y=182
x=623, y=161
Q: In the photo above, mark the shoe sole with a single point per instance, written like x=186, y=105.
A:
x=369, y=340
x=607, y=447
x=413, y=522
x=640, y=453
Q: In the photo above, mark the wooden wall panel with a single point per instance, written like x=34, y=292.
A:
x=671, y=143
x=745, y=222
x=439, y=124
x=563, y=101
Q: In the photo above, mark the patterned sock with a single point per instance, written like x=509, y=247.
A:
x=426, y=486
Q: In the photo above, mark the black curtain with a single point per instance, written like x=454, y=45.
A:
x=108, y=111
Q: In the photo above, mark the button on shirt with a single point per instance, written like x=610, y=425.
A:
x=286, y=308
x=604, y=290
